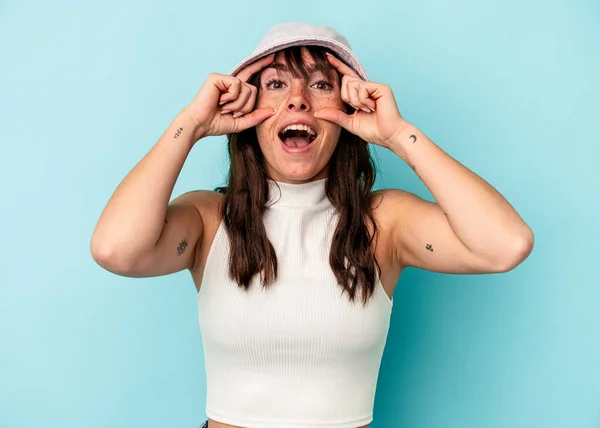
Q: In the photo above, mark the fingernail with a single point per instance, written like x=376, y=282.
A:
x=316, y=114
x=222, y=102
x=225, y=111
x=366, y=110
x=372, y=109
x=238, y=114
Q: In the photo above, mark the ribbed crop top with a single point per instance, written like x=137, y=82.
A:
x=299, y=353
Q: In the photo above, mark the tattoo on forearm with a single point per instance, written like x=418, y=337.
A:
x=182, y=246
x=414, y=137
x=429, y=247
x=178, y=132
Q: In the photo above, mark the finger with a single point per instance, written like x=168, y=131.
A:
x=344, y=91
x=246, y=72
x=239, y=102
x=249, y=106
x=364, y=97
x=256, y=117
x=353, y=96
x=336, y=116
x=341, y=66
x=230, y=88
x=348, y=92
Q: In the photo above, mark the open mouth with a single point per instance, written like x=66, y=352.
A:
x=297, y=136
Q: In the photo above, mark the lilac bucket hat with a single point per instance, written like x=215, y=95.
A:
x=289, y=34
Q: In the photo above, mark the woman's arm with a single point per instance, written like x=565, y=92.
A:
x=134, y=218
x=139, y=233
x=471, y=228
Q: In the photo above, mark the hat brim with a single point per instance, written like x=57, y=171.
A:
x=338, y=48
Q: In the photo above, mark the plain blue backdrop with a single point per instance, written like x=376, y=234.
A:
x=508, y=88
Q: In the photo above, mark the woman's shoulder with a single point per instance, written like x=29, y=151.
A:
x=383, y=200
x=209, y=204
x=388, y=205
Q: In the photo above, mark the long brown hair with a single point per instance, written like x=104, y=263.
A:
x=348, y=186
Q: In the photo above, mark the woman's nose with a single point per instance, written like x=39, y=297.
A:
x=298, y=100
x=297, y=106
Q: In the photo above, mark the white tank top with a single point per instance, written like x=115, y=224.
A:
x=299, y=353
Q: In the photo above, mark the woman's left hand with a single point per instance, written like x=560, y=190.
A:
x=383, y=120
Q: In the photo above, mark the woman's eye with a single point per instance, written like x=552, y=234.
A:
x=324, y=85
x=278, y=84
x=271, y=83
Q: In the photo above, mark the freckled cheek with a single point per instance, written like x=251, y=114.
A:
x=268, y=101
x=263, y=129
x=266, y=133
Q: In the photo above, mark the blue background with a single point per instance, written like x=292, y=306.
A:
x=509, y=88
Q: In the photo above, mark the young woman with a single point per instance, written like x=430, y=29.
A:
x=296, y=259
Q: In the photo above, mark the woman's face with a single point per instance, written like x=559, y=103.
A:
x=295, y=100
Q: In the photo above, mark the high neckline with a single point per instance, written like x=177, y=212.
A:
x=296, y=195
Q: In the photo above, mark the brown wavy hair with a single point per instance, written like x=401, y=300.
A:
x=348, y=186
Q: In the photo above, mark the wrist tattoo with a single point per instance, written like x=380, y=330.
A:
x=178, y=132
x=182, y=246
x=414, y=137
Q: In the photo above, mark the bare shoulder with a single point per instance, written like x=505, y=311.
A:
x=208, y=203
x=394, y=211
x=383, y=204
x=388, y=203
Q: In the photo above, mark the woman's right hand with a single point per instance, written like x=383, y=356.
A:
x=228, y=93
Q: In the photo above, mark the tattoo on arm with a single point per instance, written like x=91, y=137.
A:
x=429, y=247
x=178, y=132
x=414, y=137
x=182, y=246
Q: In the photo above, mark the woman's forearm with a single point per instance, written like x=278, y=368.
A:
x=133, y=218
x=479, y=215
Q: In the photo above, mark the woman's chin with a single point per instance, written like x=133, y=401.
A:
x=298, y=173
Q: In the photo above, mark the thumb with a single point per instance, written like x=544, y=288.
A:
x=252, y=119
x=336, y=116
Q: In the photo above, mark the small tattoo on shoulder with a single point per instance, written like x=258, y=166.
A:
x=414, y=137
x=178, y=132
x=182, y=246
x=429, y=247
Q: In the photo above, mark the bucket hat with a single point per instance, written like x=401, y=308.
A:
x=289, y=34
